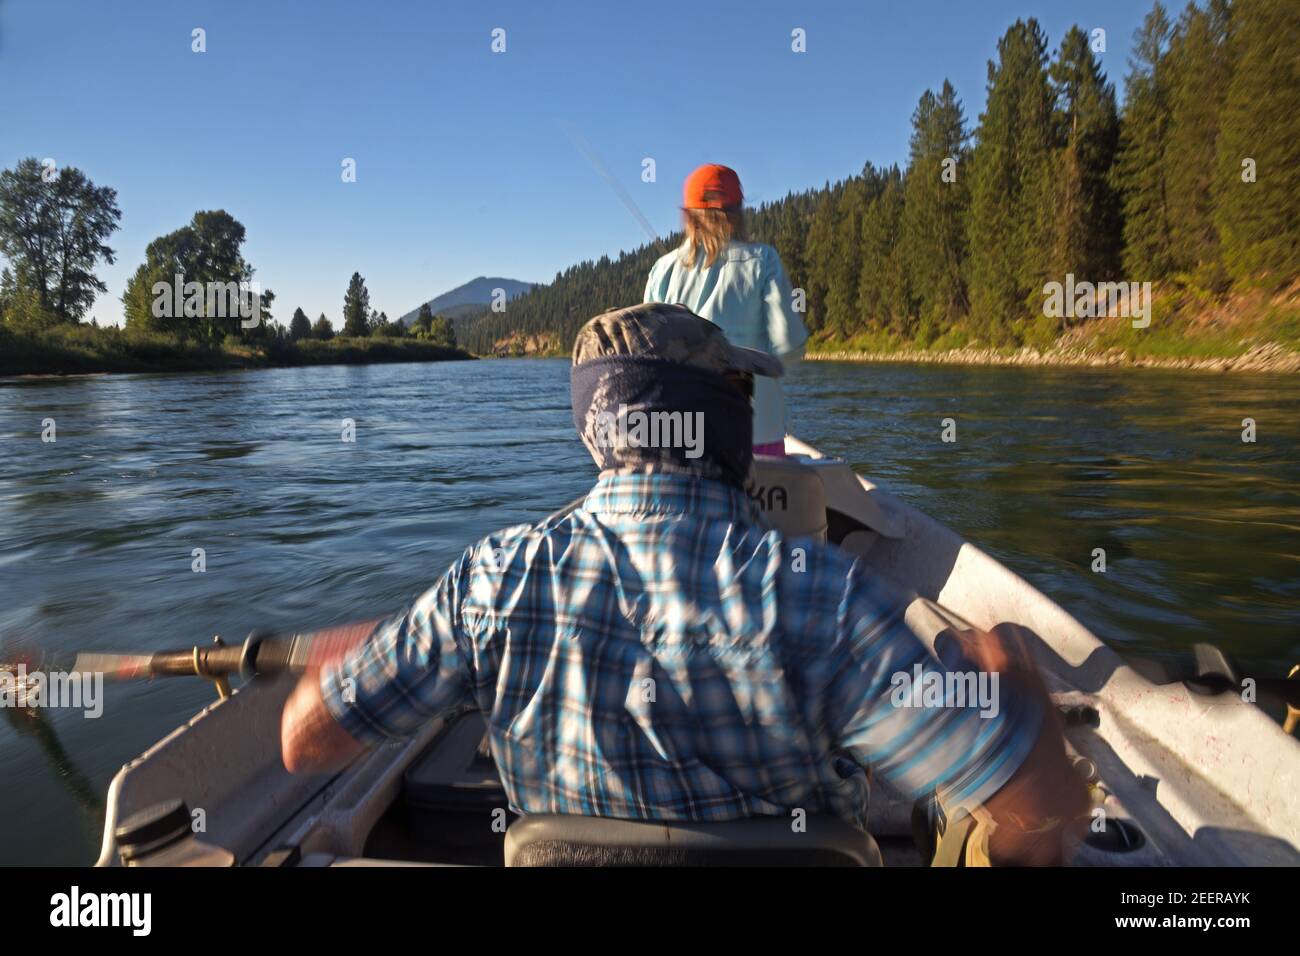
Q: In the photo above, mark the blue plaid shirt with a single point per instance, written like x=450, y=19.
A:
x=659, y=654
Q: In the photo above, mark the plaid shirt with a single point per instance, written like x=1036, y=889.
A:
x=659, y=654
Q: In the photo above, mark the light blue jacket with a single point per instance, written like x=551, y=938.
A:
x=747, y=293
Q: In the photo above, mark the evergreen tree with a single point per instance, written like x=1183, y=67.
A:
x=356, y=308
x=1259, y=221
x=1200, y=70
x=1085, y=210
x=299, y=325
x=1010, y=184
x=788, y=235
x=266, y=327
x=820, y=248
x=883, y=293
x=423, y=320
x=1140, y=170
x=933, y=232
x=845, y=263
x=1056, y=182
x=322, y=329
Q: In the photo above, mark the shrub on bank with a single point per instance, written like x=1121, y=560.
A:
x=67, y=349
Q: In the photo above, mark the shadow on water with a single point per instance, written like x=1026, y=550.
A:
x=32, y=723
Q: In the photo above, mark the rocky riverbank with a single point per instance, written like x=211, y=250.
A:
x=1261, y=358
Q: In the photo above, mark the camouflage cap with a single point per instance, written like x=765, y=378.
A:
x=672, y=332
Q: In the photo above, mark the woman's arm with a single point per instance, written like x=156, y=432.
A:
x=785, y=329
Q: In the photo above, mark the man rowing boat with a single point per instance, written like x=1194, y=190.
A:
x=658, y=653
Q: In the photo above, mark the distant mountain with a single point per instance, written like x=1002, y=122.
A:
x=470, y=298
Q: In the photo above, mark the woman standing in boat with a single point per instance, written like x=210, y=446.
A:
x=738, y=285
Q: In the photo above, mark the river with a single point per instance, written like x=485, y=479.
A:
x=98, y=529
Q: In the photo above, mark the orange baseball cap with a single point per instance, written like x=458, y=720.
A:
x=712, y=187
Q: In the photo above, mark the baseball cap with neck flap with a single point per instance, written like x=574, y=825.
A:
x=655, y=389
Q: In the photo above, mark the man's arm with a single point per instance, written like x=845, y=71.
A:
x=1045, y=798
x=410, y=671
x=1005, y=763
x=311, y=740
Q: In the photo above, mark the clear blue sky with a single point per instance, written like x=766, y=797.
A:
x=464, y=167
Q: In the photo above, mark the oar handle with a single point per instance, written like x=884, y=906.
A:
x=264, y=652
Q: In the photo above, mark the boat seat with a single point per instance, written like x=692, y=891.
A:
x=791, y=496
x=562, y=840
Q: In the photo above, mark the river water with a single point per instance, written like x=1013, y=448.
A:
x=300, y=528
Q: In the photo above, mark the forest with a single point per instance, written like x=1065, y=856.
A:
x=1187, y=185
x=1186, y=188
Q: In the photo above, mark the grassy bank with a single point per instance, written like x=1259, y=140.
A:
x=1252, y=331
x=72, y=350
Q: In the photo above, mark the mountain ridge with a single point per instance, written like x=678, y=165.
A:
x=476, y=292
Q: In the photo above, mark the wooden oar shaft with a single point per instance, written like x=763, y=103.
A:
x=262, y=653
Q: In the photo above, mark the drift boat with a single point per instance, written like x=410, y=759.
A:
x=1179, y=774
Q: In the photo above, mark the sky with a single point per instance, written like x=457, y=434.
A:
x=471, y=162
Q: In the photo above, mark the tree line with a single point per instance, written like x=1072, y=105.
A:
x=195, y=286
x=1188, y=184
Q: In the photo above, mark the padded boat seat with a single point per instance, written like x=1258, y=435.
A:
x=560, y=840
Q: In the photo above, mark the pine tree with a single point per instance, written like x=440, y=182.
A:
x=299, y=325
x=356, y=308
x=1084, y=215
x=322, y=329
x=841, y=271
x=820, y=249
x=1259, y=221
x=1200, y=71
x=1010, y=185
x=423, y=320
x=788, y=236
x=1139, y=173
x=883, y=294
x=934, y=210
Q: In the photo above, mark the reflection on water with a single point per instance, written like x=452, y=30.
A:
x=300, y=528
x=1198, y=527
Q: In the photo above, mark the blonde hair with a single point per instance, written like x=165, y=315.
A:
x=709, y=230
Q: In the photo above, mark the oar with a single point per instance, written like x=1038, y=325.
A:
x=263, y=652
x=1212, y=671
x=1217, y=672
x=30, y=722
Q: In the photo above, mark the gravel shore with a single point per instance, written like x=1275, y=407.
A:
x=1261, y=358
